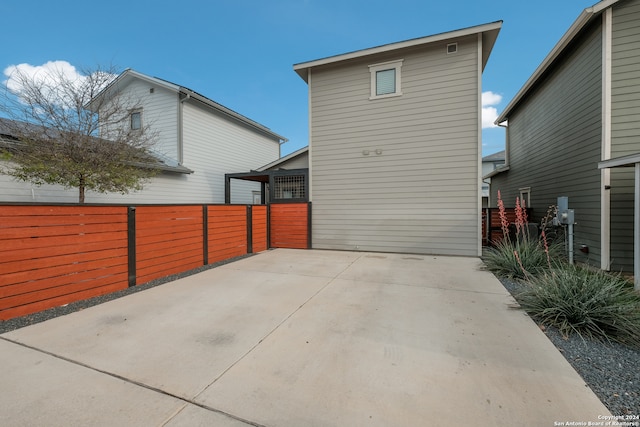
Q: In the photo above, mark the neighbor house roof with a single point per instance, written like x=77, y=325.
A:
x=281, y=160
x=8, y=140
x=129, y=74
x=489, y=35
x=495, y=157
x=587, y=16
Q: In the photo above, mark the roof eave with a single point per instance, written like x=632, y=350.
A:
x=585, y=17
x=283, y=159
x=229, y=112
x=494, y=27
x=623, y=161
x=126, y=74
x=496, y=172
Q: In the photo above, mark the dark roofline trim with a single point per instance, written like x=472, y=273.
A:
x=301, y=67
x=585, y=17
x=190, y=93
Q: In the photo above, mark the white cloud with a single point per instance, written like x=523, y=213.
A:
x=490, y=113
x=47, y=74
x=48, y=77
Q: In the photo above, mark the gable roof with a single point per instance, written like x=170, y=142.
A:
x=495, y=157
x=489, y=35
x=586, y=17
x=284, y=159
x=129, y=75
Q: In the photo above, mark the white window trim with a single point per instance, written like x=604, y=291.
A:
x=525, y=191
x=383, y=66
x=136, y=111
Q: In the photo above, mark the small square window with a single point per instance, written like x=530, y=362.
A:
x=136, y=120
x=385, y=79
x=386, y=82
x=452, y=48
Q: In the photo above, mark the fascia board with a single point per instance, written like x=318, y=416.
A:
x=302, y=68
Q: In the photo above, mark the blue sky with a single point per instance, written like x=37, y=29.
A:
x=240, y=53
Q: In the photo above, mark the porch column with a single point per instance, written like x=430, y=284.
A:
x=636, y=232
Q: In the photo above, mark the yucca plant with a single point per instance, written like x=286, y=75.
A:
x=523, y=259
x=589, y=302
x=522, y=256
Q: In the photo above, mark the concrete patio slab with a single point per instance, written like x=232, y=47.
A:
x=181, y=336
x=42, y=390
x=293, y=338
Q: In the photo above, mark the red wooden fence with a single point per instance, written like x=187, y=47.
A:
x=290, y=225
x=227, y=232
x=53, y=255
x=259, y=225
x=492, y=226
x=169, y=240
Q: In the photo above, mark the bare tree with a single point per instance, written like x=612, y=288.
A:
x=62, y=132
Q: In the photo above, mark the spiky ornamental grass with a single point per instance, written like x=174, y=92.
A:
x=591, y=303
x=522, y=259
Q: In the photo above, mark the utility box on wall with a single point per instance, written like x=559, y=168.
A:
x=565, y=216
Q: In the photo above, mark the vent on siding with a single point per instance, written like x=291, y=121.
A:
x=452, y=48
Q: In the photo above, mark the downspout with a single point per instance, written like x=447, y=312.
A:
x=605, y=174
x=181, y=127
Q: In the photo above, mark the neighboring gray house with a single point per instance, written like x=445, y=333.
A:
x=490, y=163
x=395, y=144
x=581, y=106
x=199, y=141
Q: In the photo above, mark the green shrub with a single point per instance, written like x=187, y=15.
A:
x=533, y=260
x=589, y=302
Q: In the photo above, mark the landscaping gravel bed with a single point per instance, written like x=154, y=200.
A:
x=610, y=369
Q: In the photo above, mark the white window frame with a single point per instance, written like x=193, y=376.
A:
x=131, y=128
x=525, y=194
x=384, y=66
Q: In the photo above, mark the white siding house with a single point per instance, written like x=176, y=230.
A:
x=395, y=145
x=199, y=140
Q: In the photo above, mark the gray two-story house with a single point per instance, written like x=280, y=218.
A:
x=395, y=144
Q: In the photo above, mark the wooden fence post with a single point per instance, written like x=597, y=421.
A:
x=131, y=244
x=249, y=229
x=309, y=246
x=205, y=235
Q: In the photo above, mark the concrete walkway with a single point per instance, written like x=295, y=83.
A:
x=297, y=338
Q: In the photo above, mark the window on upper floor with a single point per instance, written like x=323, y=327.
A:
x=386, y=79
x=136, y=120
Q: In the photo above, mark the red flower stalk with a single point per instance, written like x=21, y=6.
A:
x=504, y=222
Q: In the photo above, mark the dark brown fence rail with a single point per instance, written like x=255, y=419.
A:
x=52, y=255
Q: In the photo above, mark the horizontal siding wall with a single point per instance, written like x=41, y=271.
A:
x=555, y=143
x=213, y=146
x=625, y=127
x=420, y=194
x=54, y=255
